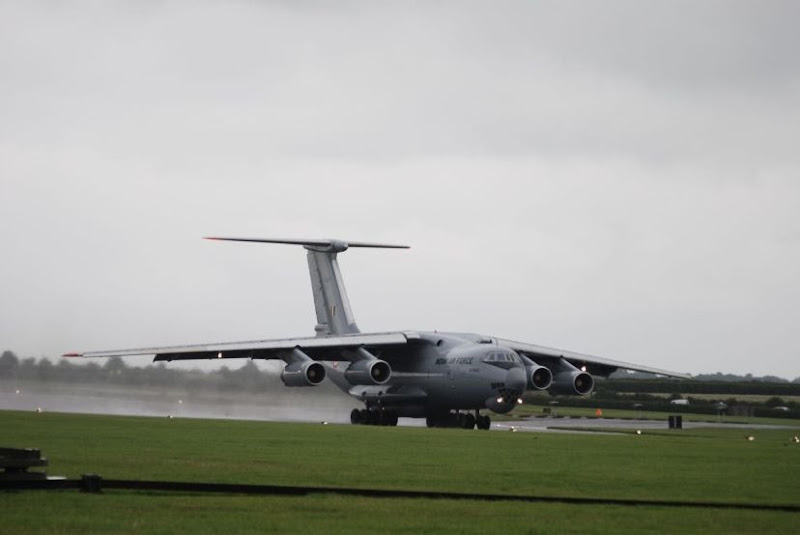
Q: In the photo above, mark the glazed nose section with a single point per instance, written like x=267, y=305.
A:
x=506, y=398
x=516, y=381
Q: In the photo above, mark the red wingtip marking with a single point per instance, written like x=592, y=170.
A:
x=72, y=355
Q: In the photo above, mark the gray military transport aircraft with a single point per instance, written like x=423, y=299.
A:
x=446, y=378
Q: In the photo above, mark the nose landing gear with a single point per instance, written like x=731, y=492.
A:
x=483, y=422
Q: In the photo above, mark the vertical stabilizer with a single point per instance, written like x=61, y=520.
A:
x=334, y=315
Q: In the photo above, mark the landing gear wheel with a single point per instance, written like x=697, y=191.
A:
x=484, y=422
x=383, y=418
x=469, y=422
x=391, y=419
x=459, y=421
x=355, y=417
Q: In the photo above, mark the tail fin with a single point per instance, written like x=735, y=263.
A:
x=334, y=315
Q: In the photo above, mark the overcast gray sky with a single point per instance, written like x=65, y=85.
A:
x=616, y=178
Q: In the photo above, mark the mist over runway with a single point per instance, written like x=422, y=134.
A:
x=311, y=405
x=321, y=404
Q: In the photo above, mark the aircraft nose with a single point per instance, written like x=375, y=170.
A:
x=515, y=384
x=516, y=380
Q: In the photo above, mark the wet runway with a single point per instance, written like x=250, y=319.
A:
x=599, y=424
x=285, y=406
x=319, y=405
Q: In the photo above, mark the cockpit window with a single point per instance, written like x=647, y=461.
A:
x=502, y=357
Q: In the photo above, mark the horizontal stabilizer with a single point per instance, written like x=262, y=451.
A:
x=332, y=245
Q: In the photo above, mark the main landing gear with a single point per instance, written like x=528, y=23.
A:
x=460, y=420
x=373, y=417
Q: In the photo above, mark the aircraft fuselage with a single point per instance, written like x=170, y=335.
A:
x=440, y=372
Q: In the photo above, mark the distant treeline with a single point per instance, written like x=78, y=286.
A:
x=696, y=386
x=732, y=406
x=710, y=377
x=703, y=397
x=248, y=378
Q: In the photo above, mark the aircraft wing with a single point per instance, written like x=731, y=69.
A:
x=594, y=365
x=319, y=348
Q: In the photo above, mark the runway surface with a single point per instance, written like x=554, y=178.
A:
x=594, y=425
x=319, y=405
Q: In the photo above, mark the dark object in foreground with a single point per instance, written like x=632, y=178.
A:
x=15, y=463
x=94, y=483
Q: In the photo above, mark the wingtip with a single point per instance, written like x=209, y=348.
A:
x=72, y=355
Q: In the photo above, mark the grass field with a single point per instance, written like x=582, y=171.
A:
x=691, y=465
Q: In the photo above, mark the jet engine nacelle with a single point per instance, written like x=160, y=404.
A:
x=368, y=372
x=539, y=377
x=306, y=373
x=569, y=380
x=571, y=383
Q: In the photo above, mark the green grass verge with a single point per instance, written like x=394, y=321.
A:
x=695, y=465
x=117, y=512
